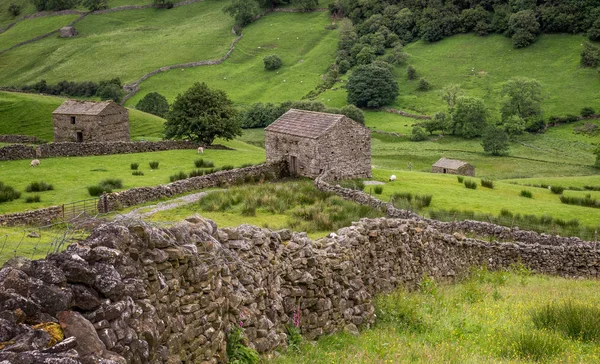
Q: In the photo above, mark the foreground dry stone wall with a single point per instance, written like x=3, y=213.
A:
x=136, y=293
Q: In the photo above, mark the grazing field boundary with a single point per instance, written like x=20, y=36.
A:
x=18, y=139
x=173, y=294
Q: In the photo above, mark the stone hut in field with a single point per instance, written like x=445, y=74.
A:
x=453, y=166
x=88, y=121
x=68, y=32
x=314, y=142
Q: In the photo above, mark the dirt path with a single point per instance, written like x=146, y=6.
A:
x=146, y=211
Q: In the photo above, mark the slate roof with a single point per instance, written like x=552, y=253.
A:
x=450, y=163
x=76, y=107
x=306, y=124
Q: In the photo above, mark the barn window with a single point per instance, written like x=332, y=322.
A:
x=72, y=119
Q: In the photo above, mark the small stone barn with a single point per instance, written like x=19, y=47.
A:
x=313, y=142
x=453, y=166
x=68, y=32
x=88, y=121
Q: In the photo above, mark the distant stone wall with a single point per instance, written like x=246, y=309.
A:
x=408, y=115
x=37, y=217
x=134, y=293
x=135, y=196
x=18, y=139
x=16, y=152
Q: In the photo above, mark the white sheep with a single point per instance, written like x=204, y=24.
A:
x=332, y=235
x=200, y=150
x=35, y=163
x=392, y=177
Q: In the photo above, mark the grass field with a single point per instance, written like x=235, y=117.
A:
x=307, y=49
x=124, y=44
x=71, y=176
x=31, y=114
x=485, y=319
x=31, y=28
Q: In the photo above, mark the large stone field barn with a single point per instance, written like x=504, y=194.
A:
x=88, y=121
x=313, y=142
x=453, y=166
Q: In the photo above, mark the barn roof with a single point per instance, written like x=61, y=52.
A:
x=76, y=107
x=450, y=163
x=302, y=123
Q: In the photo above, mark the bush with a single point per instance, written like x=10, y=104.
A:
x=134, y=166
x=470, y=184
x=586, y=201
x=557, y=190
x=153, y=164
x=110, y=91
x=154, y=103
x=487, y=183
x=372, y=86
x=411, y=73
x=424, y=85
x=201, y=163
x=378, y=190
x=137, y=173
x=536, y=126
x=590, y=55
x=557, y=120
x=272, y=62
x=14, y=9
x=227, y=167
x=196, y=173
x=587, y=111
x=112, y=183
x=460, y=179
x=526, y=193
x=579, y=321
x=34, y=198
x=39, y=187
x=98, y=190
x=178, y=176
x=418, y=134
x=8, y=193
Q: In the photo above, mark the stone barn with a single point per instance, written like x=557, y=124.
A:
x=68, y=32
x=313, y=142
x=88, y=121
x=453, y=166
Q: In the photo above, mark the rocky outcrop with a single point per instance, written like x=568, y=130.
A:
x=137, y=293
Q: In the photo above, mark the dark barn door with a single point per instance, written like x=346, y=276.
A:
x=79, y=137
x=293, y=165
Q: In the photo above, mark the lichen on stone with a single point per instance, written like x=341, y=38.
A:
x=54, y=330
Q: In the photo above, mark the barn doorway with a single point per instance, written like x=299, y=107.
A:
x=293, y=165
x=445, y=170
x=79, y=137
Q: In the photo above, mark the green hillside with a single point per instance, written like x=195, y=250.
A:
x=31, y=28
x=31, y=114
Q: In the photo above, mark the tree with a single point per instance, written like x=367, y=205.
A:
x=590, y=55
x=438, y=122
x=514, y=125
x=495, y=141
x=154, y=103
x=110, y=91
x=14, y=9
x=411, y=73
x=372, y=86
x=424, y=85
x=272, y=62
x=594, y=31
x=201, y=114
x=450, y=94
x=353, y=113
x=242, y=11
x=523, y=97
x=418, y=134
x=397, y=57
x=523, y=27
x=469, y=117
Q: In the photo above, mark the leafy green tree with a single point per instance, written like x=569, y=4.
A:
x=495, y=141
x=110, y=91
x=94, y=5
x=366, y=55
x=14, y=9
x=594, y=31
x=154, y=103
x=306, y=4
x=450, y=94
x=522, y=97
x=424, y=85
x=242, y=11
x=272, y=62
x=418, y=134
x=523, y=27
x=353, y=113
x=469, y=117
x=201, y=114
x=590, y=55
x=411, y=73
x=372, y=86
x=438, y=122
x=514, y=125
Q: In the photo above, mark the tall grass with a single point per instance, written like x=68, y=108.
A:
x=535, y=345
x=406, y=200
x=487, y=183
x=134, y=166
x=557, y=190
x=470, y=184
x=378, y=190
x=153, y=164
x=460, y=179
x=34, y=198
x=105, y=186
x=526, y=194
x=8, y=193
x=201, y=163
x=354, y=184
x=587, y=201
x=579, y=321
x=39, y=187
x=178, y=176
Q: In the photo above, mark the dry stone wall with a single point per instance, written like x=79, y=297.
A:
x=37, y=217
x=18, y=139
x=135, y=293
x=16, y=152
x=135, y=196
x=67, y=149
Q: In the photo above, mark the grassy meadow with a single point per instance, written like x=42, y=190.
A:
x=31, y=28
x=70, y=176
x=124, y=44
x=488, y=318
